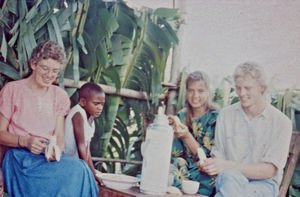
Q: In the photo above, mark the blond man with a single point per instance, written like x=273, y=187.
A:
x=251, y=141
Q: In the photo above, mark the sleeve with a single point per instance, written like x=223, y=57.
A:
x=278, y=149
x=208, y=140
x=218, y=149
x=62, y=103
x=6, y=101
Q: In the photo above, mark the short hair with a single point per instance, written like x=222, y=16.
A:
x=87, y=88
x=250, y=69
x=48, y=50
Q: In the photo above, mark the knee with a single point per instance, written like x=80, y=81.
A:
x=231, y=176
x=230, y=183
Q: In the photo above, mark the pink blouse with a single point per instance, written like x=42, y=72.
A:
x=29, y=114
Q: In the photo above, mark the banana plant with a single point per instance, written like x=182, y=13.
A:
x=26, y=23
x=137, y=52
x=105, y=42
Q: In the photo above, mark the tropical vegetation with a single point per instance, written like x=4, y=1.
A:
x=105, y=42
x=112, y=44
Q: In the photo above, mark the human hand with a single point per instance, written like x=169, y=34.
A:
x=214, y=166
x=36, y=144
x=180, y=130
x=98, y=180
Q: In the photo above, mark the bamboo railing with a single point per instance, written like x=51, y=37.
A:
x=123, y=91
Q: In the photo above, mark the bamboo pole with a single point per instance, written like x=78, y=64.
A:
x=123, y=92
x=176, y=63
x=101, y=159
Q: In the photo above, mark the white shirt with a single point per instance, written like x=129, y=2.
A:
x=70, y=141
x=265, y=138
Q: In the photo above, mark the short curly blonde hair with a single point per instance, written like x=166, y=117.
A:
x=48, y=50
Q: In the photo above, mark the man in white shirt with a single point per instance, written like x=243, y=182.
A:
x=251, y=140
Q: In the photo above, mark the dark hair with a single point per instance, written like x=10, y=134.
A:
x=87, y=88
x=48, y=50
x=193, y=77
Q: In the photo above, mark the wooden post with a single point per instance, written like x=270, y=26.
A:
x=176, y=63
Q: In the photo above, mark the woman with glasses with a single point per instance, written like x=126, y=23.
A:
x=32, y=111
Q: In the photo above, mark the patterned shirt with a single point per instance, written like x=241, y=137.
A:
x=183, y=163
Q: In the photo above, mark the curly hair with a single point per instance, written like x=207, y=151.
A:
x=48, y=50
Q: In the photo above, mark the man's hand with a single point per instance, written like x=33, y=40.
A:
x=214, y=166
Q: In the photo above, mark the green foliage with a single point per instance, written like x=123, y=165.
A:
x=225, y=94
x=24, y=24
x=105, y=42
x=289, y=103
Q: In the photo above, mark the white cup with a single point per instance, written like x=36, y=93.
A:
x=190, y=187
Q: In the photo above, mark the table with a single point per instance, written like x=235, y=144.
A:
x=132, y=192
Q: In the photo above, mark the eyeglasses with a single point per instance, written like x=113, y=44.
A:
x=47, y=70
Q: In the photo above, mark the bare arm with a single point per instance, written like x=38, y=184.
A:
x=78, y=125
x=91, y=165
x=183, y=133
x=35, y=144
x=263, y=170
x=59, y=132
x=6, y=138
x=191, y=142
x=83, y=150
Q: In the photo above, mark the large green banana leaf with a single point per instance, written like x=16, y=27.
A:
x=105, y=42
x=138, y=51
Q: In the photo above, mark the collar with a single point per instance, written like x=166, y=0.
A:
x=264, y=114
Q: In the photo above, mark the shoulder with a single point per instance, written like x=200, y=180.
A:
x=77, y=117
x=59, y=91
x=14, y=84
x=212, y=117
x=13, y=89
x=277, y=115
x=61, y=100
x=230, y=109
x=77, y=109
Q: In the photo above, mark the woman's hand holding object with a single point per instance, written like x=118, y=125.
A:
x=52, y=151
x=35, y=144
x=180, y=130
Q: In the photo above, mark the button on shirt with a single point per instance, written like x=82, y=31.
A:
x=265, y=138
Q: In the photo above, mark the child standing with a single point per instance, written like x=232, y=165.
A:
x=80, y=126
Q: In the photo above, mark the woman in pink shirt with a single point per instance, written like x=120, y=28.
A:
x=31, y=111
